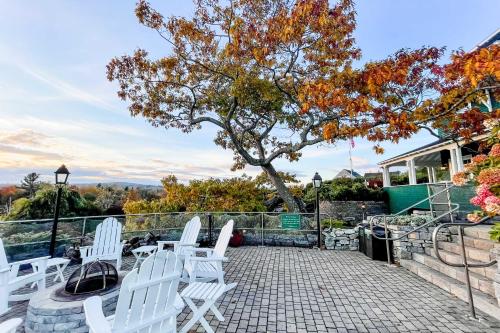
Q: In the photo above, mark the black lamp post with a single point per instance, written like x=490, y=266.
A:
x=317, y=184
x=61, y=178
x=363, y=207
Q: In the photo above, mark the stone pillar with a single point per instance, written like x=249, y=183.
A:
x=412, y=177
x=386, y=176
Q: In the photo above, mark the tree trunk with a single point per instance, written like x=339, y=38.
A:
x=280, y=186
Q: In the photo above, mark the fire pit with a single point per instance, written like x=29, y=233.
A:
x=95, y=278
x=60, y=308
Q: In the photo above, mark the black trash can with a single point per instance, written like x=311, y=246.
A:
x=362, y=237
x=373, y=247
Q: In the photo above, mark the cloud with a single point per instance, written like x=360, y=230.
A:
x=65, y=89
x=24, y=136
x=68, y=89
x=29, y=152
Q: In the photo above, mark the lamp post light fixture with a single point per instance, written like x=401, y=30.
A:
x=61, y=174
x=317, y=181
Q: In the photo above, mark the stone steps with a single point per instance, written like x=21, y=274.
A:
x=488, y=272
x=480, y=232
x=482, y=301
x=471, y=252
x=481, y=244
x=477, y=281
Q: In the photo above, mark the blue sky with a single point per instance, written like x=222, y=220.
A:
x=56, y=105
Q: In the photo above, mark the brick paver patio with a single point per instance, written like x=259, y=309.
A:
x=304, y=290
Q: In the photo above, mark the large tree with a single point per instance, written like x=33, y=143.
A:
x=276, y=76
x=30, y=184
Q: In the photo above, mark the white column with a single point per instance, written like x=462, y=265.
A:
x=433, y=172
x=460, y=159
x=429, y=175
x=386, y=176
x=453, y=162
x=412, y=177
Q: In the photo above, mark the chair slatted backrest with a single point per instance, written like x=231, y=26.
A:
x=191, y=231
x=3, y=256
x=107, y=237
x=148, y=295
x=223, y=240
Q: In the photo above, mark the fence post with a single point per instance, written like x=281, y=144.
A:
x=448, y=196
x=157, y=223
x=387, y=247
x=261, y=229
x=210, y=228
x=83, y=230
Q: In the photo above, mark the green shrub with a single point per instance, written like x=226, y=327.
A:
x=337, y=224
x=344, y=189
x=407, y=220
x=495, y=232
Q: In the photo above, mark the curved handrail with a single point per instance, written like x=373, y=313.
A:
x=460, y=225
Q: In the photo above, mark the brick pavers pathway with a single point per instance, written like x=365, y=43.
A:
x=303, y=290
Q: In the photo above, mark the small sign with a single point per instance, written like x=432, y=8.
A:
x=290, y=221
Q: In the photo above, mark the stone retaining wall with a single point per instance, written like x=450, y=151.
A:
x=352, y=209
x=415, y=242
x=342, y=239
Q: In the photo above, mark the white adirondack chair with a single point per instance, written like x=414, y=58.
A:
x=10, y=325
x=107, y=244
x=188, y=238
x=10, y=281
x=204, y=269
x=147, y=299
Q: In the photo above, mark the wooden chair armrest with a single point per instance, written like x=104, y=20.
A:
x=187, y=244
x=29, y=261
x=168, y=242
x=85, y=251
x=10, y=325
x=203, y=249
x=205, y=259
x=94, y=315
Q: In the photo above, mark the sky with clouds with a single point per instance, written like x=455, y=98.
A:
x=56, y=105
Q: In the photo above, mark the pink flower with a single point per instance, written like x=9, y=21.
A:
x=489, y=176
x=492, y=199
x=479, y=158
x=460, y=178
x=483, y=192
x=492, y=208
x=495, y=150
x=474, y=217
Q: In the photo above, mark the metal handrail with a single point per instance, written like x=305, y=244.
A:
x=465, y=264
x=450, y=212
x=446, y=189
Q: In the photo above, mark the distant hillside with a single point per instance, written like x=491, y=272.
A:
x=122, y=185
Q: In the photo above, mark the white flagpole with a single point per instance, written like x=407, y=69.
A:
x=350, y=158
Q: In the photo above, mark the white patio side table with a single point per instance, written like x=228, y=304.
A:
x=142, y=252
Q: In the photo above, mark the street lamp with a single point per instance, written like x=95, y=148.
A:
x=317, y=184
x=61, y=178
x=363, y=207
